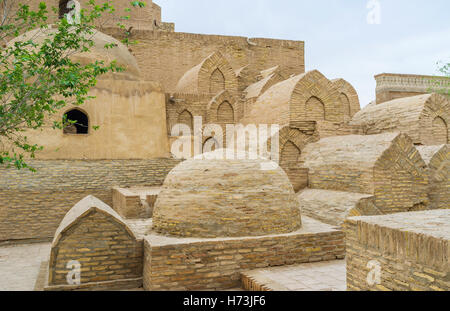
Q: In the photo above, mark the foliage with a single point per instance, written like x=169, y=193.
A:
x=442, y=86
x=37, y=79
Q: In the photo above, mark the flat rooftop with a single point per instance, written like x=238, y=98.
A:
x=434, y=223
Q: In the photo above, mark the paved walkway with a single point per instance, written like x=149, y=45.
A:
x=319, y=276
x=20, y=265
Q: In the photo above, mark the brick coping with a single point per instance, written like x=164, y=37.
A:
x=310, y=227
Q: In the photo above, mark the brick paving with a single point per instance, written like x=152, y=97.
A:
x=319, y=276
x=20, y=267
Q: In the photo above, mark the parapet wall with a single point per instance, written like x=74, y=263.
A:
x=392, y=86
x=401, y=252
x=148, y=17
x=33, y=204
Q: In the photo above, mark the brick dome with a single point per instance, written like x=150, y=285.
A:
x=226, y=198
x=120, y=53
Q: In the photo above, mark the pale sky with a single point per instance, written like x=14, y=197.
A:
x=413, y=35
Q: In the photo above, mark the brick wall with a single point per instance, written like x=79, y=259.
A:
x=388, y=167
x=103, y=247
x=298, y=177
x=411, y=249
x=216, y=264
x=33, y=204
x=392, y=86
x=333, y=207
x=439, y=169
x=128, y=205
x=159, y=53
x=424, y=118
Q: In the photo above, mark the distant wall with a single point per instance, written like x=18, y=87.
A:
x=148, y=17
x=392, y=86
x=166, y=56
x=33, y=204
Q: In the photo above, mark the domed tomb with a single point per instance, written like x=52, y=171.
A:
x=215, y=197
x=98, y=52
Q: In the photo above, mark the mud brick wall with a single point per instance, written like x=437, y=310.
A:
x=333, y=207
x=439, y=171
x=127, y=204
x=412, y=250
x=33, y=204
x=134, y=204
x=388, y=167
x=216, y=264
x=103, y=247
x=392, y=86
x=298, y=177
x=166, y=56
x=424, y=118
x=329, y=129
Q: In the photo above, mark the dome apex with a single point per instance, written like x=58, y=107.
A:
x=218, y=197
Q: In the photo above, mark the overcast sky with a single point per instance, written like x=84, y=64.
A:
x=412, y=35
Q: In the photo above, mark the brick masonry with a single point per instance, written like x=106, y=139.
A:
x=215, y=197
x=215, y=264
x=424, y=118
x=95, y=237
x=412, y=250
x=135, y=203
x=158, y=53
x=33, y=204
x=393, y=86
x=387, y=166
x=333, y=207
x=438, y=161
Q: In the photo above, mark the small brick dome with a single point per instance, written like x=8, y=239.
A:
x=226, y=198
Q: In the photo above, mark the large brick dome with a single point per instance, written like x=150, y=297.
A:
x=226, y=198
x=97, y=52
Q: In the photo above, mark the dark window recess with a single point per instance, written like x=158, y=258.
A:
x=63, y=8
x=81, y=125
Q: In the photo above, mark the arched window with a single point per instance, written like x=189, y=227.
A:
x=289, y=155
x=81, y=125
x=63, y=8
x=185, y=117
x=225, y=113
x=315, y=109
x=217, y=82
x=345, y=104
x=440, y=131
